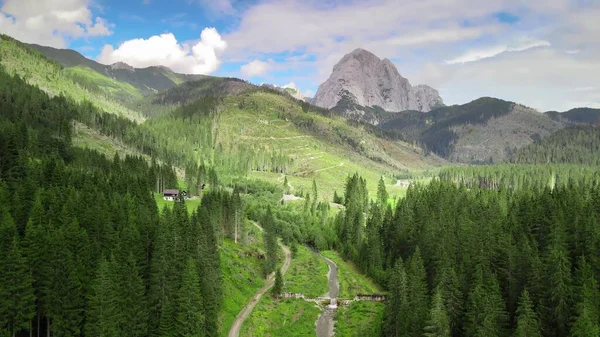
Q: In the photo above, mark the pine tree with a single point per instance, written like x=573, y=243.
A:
x=102, y=307
x=438, y=324
x=189, y=319
x=17, y=306
x=417, y=293
x=132, y=299
x=166, y=324
x=382, y=194
x=453, y=299
x=278, y=285
x=396, y=319
x=315, y=196
x=586, y=318
x=528, y=324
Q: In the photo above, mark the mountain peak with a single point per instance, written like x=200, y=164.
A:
x=364, y=79
x=122, y=65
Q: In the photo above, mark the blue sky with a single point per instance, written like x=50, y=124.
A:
x=542, y=54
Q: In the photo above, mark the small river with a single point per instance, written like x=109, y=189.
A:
x=326, y=319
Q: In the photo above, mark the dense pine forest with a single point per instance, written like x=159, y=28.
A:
x=574, y=145
x=474, y=261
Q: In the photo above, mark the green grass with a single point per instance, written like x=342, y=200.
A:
x=107, y=85
x=191, y=205
x=360, y=319
x=307, y=274
x=242, y=276
x=321, y=151
x=290, y=318
x=49, y=76
x=352, y=282
x=87, y=138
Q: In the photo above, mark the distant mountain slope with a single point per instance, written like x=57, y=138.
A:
x=484, y=130
x=577, y=115
x=37, y=69
x=148, y=80
x=268, y=135
x=166, y=101
x=572, y=145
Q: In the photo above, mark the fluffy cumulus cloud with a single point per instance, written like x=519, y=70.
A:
x=51, y=22
x=255, y=68
x=201, y=57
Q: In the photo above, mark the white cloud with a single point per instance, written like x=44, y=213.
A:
x=542, y=78
x=552, y=49
x=50, y=22
x=255, y=68
x=476, y=55
x=201, y=57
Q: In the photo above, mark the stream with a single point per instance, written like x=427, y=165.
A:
x=326, y=319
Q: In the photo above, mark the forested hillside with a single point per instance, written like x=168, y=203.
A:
x=574, y=145
x=481, y=262
x=577, y=115
x=84, y=248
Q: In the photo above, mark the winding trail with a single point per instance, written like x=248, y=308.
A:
x=234, y=331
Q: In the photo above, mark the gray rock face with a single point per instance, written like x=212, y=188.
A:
x=368, y=81
x=122, y=65
x=426, y=98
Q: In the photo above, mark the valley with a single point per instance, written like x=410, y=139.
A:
x=346, y=218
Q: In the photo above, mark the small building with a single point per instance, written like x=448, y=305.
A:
x=170, y=194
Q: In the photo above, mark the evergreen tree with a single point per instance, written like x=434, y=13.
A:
x=166, y=324
x=528, y=324
x=132, y=299
x=102, y=307
x=189, y=320
x=396, y=318
x=417, y=294
x=382, y=194
x=438, y=324
x=278, y=285
x=17, y=306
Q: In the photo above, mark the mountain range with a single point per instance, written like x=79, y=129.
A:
x=367, y=91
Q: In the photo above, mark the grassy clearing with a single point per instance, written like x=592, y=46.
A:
x=241, y=276
x=307, y=274
x=320, y=150
x=87, y=138
x=290, y=318
x=92, y=79
x=191, y=205
x=352, y=282
x=360, y=319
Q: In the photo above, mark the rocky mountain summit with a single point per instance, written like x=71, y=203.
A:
x=361, y=81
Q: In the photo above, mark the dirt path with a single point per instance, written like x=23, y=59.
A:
x=234, y=331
